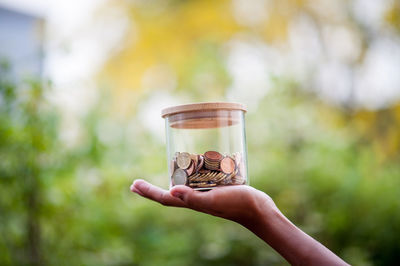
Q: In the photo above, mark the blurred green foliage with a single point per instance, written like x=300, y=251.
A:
x=334, y=172
x=62, y=205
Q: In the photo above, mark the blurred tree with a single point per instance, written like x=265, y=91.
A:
x=333, y=170
x=27, y=144
x=184, y=36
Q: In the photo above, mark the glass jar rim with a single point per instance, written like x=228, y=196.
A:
x=203, y=106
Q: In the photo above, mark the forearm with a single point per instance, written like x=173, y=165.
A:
x=254, y=210
x=294, y=245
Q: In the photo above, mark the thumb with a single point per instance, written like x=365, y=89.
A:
x=194, y=199
x=181, y=191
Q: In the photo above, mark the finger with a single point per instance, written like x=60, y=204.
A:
x=200, y=201
x=157, y=194
x=133, y=189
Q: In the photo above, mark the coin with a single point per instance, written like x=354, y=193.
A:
x=213, y=156
x=207, y=177
x=200, y=163
x=179, y=177
x=183, y=160
x=212, y=167
x=227, y=180
x=220, y=177
x=207, y=162
x=202, y=171
x=194, y=157
x=176, y=155
x=212, y=160
x=202, y=184
x=194, y=176
x=172, y=166
x=190, y=169
x=227, y=165
x=238, y=180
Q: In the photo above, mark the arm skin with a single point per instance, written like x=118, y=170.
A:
x=251, y=208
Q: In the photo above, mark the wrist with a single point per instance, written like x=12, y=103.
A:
x=261, y=211
x=264, y=209
x=298, y=248
x=274, y=228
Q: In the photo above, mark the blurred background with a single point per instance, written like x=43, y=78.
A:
x=82, y=84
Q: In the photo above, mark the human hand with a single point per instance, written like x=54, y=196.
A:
x=252, y=209
x=239, y=203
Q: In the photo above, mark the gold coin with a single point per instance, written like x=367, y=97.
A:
x=214, y=174
x=183, y=160
x=211, y=166
x=205, y=177
x=202, y=184
x=193, y=177
x=204, y=171
x=200, y=176
x=220, y=177
x=211, y=169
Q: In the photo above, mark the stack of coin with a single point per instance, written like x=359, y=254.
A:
x=209, y=170
x=212, y=160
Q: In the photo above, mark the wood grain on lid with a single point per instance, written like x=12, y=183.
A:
x=198, y=107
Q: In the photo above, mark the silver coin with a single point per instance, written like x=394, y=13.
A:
x=183, y=160
x=179, y=177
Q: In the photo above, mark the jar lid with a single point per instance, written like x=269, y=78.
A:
x=200, y=107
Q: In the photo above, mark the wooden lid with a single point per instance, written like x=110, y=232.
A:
x=199, y=107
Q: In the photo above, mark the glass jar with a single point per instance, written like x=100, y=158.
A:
x=206, y=144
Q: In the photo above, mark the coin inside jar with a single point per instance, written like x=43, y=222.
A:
x=195, y=158
x=183, y=160
x=213, y=156
x=190, y=169
x=200, y=163
x=179, y=177
x=201, y=171
x=227, y=165
x=212, y=160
